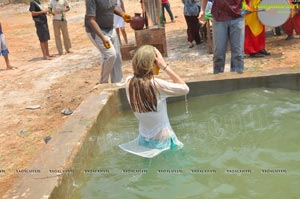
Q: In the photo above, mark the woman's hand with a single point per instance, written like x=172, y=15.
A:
x=159, y=59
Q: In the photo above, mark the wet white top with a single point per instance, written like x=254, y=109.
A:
x=152, y=123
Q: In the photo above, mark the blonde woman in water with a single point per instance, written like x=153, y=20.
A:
x=147, y=96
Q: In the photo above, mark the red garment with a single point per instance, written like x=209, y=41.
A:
x=225, y=10
x=291, y=24
x=254, y=44
x=164, y=1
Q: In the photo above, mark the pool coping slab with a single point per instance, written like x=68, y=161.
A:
x=60, y=151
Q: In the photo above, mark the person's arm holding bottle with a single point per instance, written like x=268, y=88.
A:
x=95, y=27
x=202, y=12
x=165, y=67
x=121, y=13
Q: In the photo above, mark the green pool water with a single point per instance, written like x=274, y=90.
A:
x=238, y=145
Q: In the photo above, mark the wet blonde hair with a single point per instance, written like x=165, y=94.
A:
x=142, y=92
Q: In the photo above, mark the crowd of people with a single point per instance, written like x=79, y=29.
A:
x=244, y=32
x=58, y=9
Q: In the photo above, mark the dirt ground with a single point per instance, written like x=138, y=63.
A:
x=66, y=80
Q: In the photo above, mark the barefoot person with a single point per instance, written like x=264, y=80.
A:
x=3, y=49
x=147, y=96
x=40, y=19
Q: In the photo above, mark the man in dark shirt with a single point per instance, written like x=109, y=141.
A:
x=228, y=24
x=40, y=19
x=100, y=14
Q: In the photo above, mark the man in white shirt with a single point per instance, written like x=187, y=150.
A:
x=60, y=24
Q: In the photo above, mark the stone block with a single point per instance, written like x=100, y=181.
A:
x=127, y=51
x=155, y=37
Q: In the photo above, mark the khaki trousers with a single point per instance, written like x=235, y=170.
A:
x=61, y=26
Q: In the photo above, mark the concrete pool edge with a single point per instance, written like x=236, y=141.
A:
x=60, y=152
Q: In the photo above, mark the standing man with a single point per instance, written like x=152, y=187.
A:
x=228, y=24
x=40, y=19
x=60, y=25
x=100, y=15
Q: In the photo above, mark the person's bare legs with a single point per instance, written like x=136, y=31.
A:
x=8, y=66
x=124, y=34
x=45, y=50
x=118, y=33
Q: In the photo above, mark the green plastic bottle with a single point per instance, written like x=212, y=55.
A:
x=207, y=15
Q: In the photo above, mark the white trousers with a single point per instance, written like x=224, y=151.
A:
x=111, y=60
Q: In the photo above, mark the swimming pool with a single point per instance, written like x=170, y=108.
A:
x=226, y=152
x=242, y=144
